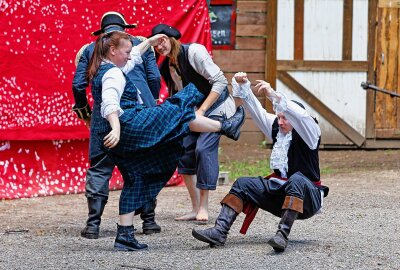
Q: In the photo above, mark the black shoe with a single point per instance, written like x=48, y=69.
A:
x=231, y=127
x=278, y=242
x=96, y=208
x=90, y=232
x=126, y=241
x=151, y=228
x=148, y=216
x=216, y=236
x=210, y=236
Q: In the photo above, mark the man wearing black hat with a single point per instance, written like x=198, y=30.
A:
x=191, y=63
x=146, y=77
x=294, y=190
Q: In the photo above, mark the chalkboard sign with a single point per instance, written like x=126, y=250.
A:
x=222, y=18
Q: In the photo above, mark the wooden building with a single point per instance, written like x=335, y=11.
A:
x=319, y=52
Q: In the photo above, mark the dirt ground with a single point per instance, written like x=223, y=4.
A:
x=358, y=229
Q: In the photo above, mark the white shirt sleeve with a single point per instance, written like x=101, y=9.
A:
x=260, y=116
x=136, y=59
x=301, y=121
x=113, y=84
x=202, y=63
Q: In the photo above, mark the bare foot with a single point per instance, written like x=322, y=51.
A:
x=202, y=215
x=187, y=217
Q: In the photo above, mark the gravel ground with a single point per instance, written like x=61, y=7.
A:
x=358, y=229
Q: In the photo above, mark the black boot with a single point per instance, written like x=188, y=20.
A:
x=126, y=241
x=280, y=240
x=96, y=208
x=216, y=236
x=231, y=127
x=149, y=224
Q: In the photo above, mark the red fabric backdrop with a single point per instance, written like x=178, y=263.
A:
x=43, y=146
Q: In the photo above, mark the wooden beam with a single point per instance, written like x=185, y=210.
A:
x=254, y=18
x=251, y=30
x=321, y=108
x=251, y=6
x=347, y=47
x=240, y=60
x=288, y=65
x=270, y=52
x=299, y=29
x=389, y=4
x=386, y=69
x=389, y=133
x=370, y=107
x=250, y=43
x=381, y=144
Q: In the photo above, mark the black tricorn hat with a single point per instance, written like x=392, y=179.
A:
x=169, y=31
x=112, y=21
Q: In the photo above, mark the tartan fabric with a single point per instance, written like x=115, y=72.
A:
x=150, y=143
x=143, y=128
x=146, y=173
x=98, y=123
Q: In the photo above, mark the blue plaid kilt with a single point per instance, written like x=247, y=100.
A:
x=146, y=173
x=151, y=146
x=143, y=128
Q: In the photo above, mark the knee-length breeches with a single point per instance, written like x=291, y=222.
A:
x=269, y=194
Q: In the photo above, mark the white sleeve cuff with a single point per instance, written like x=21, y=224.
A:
x=281, y=106
x=136, y=57
x=107, y=110
x=240, y=90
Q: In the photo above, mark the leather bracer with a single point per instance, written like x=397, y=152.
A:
x=83, y=113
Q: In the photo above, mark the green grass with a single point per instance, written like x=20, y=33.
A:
x=237, y=169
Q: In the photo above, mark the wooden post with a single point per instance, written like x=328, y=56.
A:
x=299, y=30
x=370, y=110
x=270, y=52
x=347, y=30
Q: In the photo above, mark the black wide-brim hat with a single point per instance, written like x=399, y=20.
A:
x=112, y=21
x=165, y=29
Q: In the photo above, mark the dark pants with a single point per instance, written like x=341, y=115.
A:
x=201, y=159
x=98, y=176
x=100, y=171
x=269, y=195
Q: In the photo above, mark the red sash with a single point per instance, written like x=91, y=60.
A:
x=250, y=210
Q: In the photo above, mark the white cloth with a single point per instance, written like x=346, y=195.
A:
x=113, y=85
x=301, y=121
x=202, y=63
x=279, y=158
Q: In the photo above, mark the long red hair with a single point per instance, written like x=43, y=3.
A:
x=101, y=49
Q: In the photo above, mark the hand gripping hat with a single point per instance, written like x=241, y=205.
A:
x=169, y=31
x=112, y=21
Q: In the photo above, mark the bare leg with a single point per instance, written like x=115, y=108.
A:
x=202, y=214
x=126, y=219
x=204, y=124
x=190, y=181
